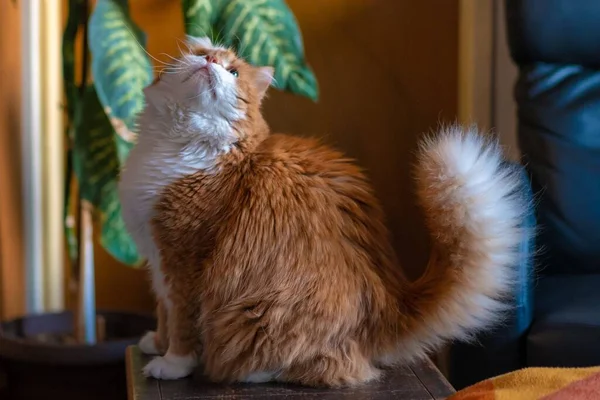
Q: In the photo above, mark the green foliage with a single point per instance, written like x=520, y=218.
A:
x=96, y=166
x=120, y=67
x=264, y=32
x=199, y=16
x=102, y=116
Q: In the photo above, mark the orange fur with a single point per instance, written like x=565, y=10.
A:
x=278, y=262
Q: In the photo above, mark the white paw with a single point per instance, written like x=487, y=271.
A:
x=259, y=377
x=147, y=344
x=169, y=367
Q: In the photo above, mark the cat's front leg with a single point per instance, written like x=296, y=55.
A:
x=180, y=359
x=157, y=342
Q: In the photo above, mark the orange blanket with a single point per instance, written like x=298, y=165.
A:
x=537, y=384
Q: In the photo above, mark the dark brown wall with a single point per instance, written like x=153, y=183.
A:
x=388, y=73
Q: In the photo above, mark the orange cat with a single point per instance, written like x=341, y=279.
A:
x=269, y=254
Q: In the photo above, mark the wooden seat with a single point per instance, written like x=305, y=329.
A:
x=419, y=382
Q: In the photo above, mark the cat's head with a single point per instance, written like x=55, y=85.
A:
x=209, y=94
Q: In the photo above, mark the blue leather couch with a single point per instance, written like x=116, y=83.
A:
x=556, y=315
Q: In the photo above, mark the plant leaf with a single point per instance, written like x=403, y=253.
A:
x=200, y=15
x=264, y=32
x=120, y=67
x=96, y=166
x=121, y=70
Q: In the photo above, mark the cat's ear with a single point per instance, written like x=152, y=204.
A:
x=199, y=41
x=263, y=79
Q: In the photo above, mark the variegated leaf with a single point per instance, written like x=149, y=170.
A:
x=121, y=70
x=200, y=15
x=120, y=67
x=97, y=168
x=264, y=32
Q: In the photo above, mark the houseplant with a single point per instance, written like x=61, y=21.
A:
x=101, y=118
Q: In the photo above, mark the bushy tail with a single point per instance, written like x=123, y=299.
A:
x=474, y=207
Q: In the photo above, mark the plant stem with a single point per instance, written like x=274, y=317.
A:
x=85, y=326
x=86, y=313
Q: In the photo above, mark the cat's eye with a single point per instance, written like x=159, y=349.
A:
x=234, y=72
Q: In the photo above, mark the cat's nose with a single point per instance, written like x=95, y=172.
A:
x=211, y=59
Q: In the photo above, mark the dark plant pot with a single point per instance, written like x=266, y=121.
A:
x=36, y=369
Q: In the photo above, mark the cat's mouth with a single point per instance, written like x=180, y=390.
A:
x=204, y=71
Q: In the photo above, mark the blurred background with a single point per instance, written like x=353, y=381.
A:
x=388, y=71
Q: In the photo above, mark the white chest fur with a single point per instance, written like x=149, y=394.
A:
x=184, y=127
x=152, y=165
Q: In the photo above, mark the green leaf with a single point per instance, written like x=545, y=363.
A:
x=264, y=32
x=120, y=67
x=200, y=15
x=96, y=166
x=121, y=70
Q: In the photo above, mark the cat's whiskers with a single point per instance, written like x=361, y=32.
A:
x=142, y=47
x=241, y=46
x=216, y=40
x=174, y=67
x=177, y=60
x=164, y=64
x=190, y=51
x=195, y=25
x=169, y=71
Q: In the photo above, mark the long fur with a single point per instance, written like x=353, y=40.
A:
x=474, y=206
x=272, y=258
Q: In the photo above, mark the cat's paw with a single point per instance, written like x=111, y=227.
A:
x=147, y=344
x=169, y=367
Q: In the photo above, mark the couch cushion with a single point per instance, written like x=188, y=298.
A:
x=559, y=135
x=566, y=327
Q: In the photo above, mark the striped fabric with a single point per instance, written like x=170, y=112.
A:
x=537, y=384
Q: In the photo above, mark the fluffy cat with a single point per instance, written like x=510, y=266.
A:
x=269, y=254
